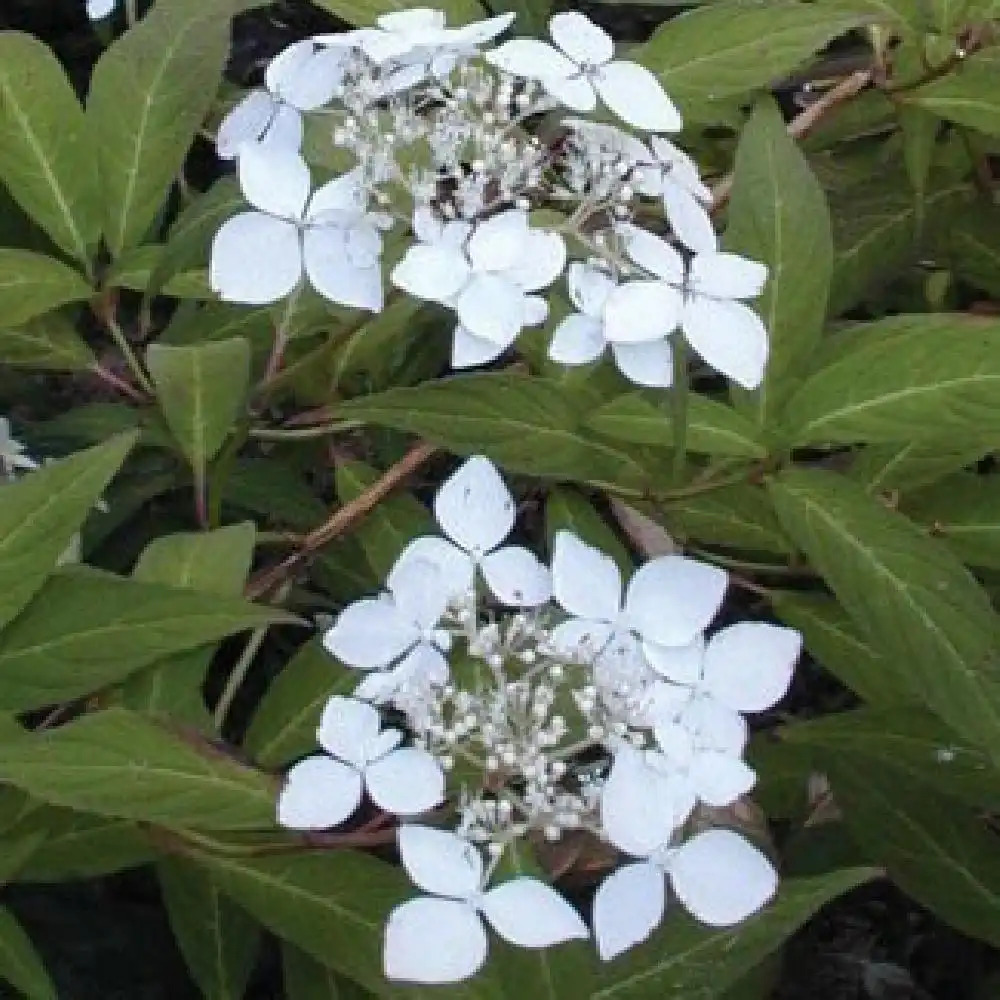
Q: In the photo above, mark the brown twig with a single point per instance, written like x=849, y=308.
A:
x=342, y=519
x=804, y=122
x=119, y=384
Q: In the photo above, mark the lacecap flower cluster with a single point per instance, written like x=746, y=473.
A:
x=437, y=129
x=534, y=703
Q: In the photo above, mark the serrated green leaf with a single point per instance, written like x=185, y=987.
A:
x=46, y=342
x=218, y=940
x=934, y=375
x=909, y=740
x=119, y=764
x=973, y=242
x=40, y=514
x=137, y=268
x=150, y=91
x=967, y=95
x=534, y=426
x=914, y=464
x=307, y=979
x=31, y=284
x=19, y=962
x=684, y=959
x=46, y=161
x=284, y=725
x=778, y=215
x=86, y=630
x=384, y=532
x=713, y=428
x=930, y=615
x=201, y=391
x=363, y=12
x=737, y=46
x=937, y=851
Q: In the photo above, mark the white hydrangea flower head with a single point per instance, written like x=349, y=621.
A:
x=488, y=279
x=704, y=298
x=717, y=876
x=475, y=512
x=583, y=336
x=583, y=67
x=329, y=237
x=303, y=77
x=668, y=603
x=440, y=937
x=322, y=791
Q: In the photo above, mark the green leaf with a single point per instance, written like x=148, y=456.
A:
x=778, y=215
x=930, y=614
x=940, y=853
x=333, y=906
x=284, y=726
x=967, y=95
x=963, y=511
x=736, y=46
x=40, y=513
x=87, y=629
x=201, y=390
x=568, y=510
x=19, y=962
x=835, y=642
x=385, y=531
x=150, y=91
x=31, y=283
x=713, y=428
x=307, y=979
x=974, y=246
x=47, y=342
x=929, y=375
x=685, y=959
x=527, y=425
x=119, y=764
x=363, y=12
x=914, y=464
x=46, y=161
x=218, y=940
x=137, y=269
x=908, y=740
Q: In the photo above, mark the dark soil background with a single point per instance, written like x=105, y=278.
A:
x=109, y=939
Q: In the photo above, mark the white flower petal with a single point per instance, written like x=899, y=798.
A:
x=542, y=259
x=418, y=589
x=628, y=907
x=467, y=350
x=256, y=259
x=727, y=275
x=649, y=364
x=729, y=336
x=582, y=40
x=585, y=582
x=331, y=273
x=531, y=58
x=589, y=288
x=720, y=779
x=715, y=725
x=574, y=91
x=245, y=123
x=284, y=134
x=370, y=633
x=434, y=941
x=456, y=568
x=474, y=506
x=486, y=30
x=634, y=94
x=720, y=878
x=97, y=10
x=680, y=664
x=318, y=793
x=531, y=914
x=516, y=577
x=491, y=307
x=405, y=782
x=536, y=310
x=342, y=195
x=671, y=599
x=433, y=272
x=304, y=76
x=274, y=180
x=498, y=243
x=691, y=224
x=656, y=255
x=440, y=862
x=347, y=727
x=637, y=810
x=749, y=666
x=641, y=311
x=577, y=340
x=580, y=637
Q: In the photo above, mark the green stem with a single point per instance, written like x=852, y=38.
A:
x=131, y=358
x=679, y=407
x=303, y=433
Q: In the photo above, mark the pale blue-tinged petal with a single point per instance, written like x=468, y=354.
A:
x=256, y=259
x=719, y=779
x=419, y=590
x=245, y=123
x=516, y=577
x=580, y=637
x=343, y=195
x=589, y=288
x=491, y=307
x=634, y=94
x=331, y=273
x=435, y=272
x=724, y=275
x=274, y=180
x=474, y=507
x=434, y=941
x=749, y=666
x=637, y=810
x=637, y=312
x=647, y=364
x=680, y=664
x=318, y=793
x=439, y=861
x=689, y=220
x=573, y=90
x=468, y=350
x=729, y=336
x=541, y=261
x=498, y=243
x=585, y=581
x=531, y=914
x=405, y=782
x=456, y=568
x=577, y=340
x=370, y=633
x=628, y=907
x=347, y=728
x=530, y=58
x=582, y=40
x=656, y=255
